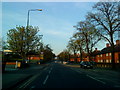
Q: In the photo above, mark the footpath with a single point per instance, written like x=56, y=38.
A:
x=13, y=77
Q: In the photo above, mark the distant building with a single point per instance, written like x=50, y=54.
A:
x=84, y=58
x=33, y=56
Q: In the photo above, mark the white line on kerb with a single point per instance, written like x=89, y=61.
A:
x=45, y=79
x=96, y=79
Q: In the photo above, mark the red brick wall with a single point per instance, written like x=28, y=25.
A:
x=106, y=58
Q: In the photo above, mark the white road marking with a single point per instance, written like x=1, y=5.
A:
x=29, y=81
x=49, y=72
x=117, y=86
x=96, y=79
x=33, y=87
x=51, y=69
x=45, y=79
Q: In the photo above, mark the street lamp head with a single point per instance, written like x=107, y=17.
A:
x=39, y=9
x=35, y=10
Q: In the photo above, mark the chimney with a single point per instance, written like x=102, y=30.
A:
x=96, y=49
x=107, y=45
x=117, y=42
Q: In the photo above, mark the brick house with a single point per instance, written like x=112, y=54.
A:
x=104, y=56
x=85, y=58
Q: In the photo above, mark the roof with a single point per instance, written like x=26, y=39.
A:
x=106, y=50
x=95, y=53
x=109, y=49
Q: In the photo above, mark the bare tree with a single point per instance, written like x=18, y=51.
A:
x=105, y=18
x=80, y=42
x=89, y=35
x=72, y=45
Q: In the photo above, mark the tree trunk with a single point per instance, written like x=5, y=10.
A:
x=112, y=51
x=113, y=57
x=81, y=54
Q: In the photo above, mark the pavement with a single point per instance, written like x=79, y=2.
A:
x=12, y=77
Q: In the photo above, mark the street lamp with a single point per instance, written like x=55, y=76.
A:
x=28, y=23
x=28, y=15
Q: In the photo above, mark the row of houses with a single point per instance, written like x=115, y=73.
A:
x=104, y=55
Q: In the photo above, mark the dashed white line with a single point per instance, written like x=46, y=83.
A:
x=49, y=72
x=96, y=79
x=33, y=87
x=47, y=76
x=45, y=79
x=51, y=69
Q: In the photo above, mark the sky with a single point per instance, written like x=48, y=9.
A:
x=55, y=21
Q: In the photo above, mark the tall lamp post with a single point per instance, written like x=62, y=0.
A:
x=28, y=23
x=29, y=14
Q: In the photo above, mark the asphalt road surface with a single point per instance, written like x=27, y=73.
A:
x=57, y=75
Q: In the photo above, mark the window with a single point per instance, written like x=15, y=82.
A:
x=101, y=60
x=110, y=61
x=101, y=55
x=117, y=61
x=107, y=61
x=110, y=54
x=106, y=54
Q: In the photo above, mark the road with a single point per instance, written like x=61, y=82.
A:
x=57, y=75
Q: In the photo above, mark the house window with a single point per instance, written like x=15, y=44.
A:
x=110, y=61
x=97, y=55
x=110, y=54
x=107, y=61
x=101, y=55
x=106, y=54
x=101, y=60
x=98, y=60
x=117, y=61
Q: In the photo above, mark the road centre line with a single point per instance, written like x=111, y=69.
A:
x=95, y=79
x=50, y=68
x=45, y=79
x=49, y=71
x=33, y=87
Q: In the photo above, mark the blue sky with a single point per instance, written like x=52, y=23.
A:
x=55, y=22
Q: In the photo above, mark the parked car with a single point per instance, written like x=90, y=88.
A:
x=65, y=62
x=85, y=64
x=93, y=63
x=25, y=61
x=40, y=62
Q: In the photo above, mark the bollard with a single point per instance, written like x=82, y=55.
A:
x=16, y=64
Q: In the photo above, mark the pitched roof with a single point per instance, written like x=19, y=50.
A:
x=106, y=50
x=109, y=49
